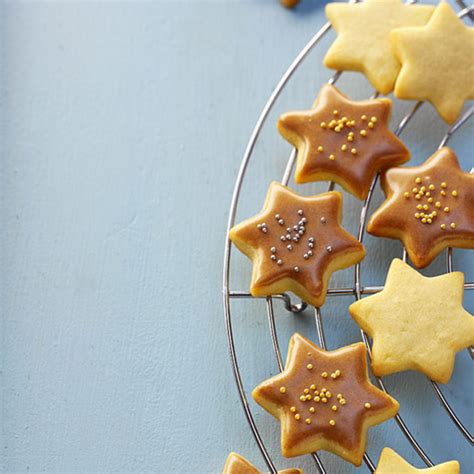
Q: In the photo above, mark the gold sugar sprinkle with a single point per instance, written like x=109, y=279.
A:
x=312, y=409
x=334, y=408
x=367, y=405
x=297, y=417
x=418, y=180
x=452, y=225
x=293, y=409
x=309, y=366
x=308, y=421
x=332, y=422
x=282, y=390
x=332, y=157
x=320, y=149
x=324, y=375
x=454, y=193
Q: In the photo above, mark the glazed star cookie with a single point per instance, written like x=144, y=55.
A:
x=296, y=243
x=390, y=462
x=324, y=400
x=435, y=62
x=289, y=3
x=363, y=37
x=236, y=464
x=343, y=140
x=428, y=207
x=416, y=322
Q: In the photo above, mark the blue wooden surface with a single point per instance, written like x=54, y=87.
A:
x=122, y=128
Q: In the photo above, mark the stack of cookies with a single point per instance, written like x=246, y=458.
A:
x=324, y=399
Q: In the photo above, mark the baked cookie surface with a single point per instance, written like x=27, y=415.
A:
x=392, y=463
x=416, y=322
x=237, y=464
x=296, y=243
x=343, y=140
x=325, y=400
x=428, y=207
x=435, y=62
x=363, y=37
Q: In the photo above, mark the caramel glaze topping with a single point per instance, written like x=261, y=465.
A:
x=295, y=244
x=343, y=140
x=328, y=401
x=428, y=207
x=237, y=464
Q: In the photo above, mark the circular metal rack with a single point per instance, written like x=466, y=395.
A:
x=356, y=290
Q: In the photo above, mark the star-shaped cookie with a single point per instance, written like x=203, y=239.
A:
x=289, y=3
x=416, y=322
x=390, y=463
x=236, y=464
x=325, y=400
x=296, y=243
x=363, y=37
x=436, y=62
x=343, y=140
x=428, y=207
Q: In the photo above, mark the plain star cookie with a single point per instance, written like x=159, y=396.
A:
x=390, y=463
x=416, y=322
x=363, y=37
x=436, y=63
x=428, y=207
x=325, y=400
x=236, y=464
x=296, y=243
x=343, y=140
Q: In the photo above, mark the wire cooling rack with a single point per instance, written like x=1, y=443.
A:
x=356, y=290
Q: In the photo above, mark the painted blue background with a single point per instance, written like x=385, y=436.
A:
x=122, y=126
